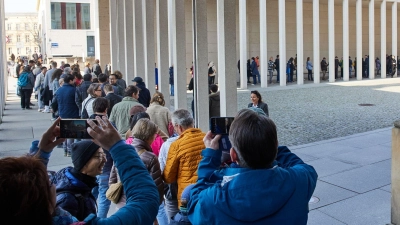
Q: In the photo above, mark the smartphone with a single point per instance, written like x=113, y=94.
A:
x=221, y=125
x=74, y=128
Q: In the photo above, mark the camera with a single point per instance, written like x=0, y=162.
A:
x=74, y=128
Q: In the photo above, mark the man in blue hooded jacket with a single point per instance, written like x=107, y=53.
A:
x=266, y=184
x=144, y=97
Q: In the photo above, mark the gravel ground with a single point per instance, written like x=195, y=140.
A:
x=315, y=112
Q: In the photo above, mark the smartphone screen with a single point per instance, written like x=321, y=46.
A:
x=220, y=125
x=74, y=128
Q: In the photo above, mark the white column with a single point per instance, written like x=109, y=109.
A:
x=171, y=30
x=282, y=42
x=371, y=48
x=148, y=43
x=300, y=54
x=359, y=38
x=200, y=51
x=317, y=59
x=226, y=31
x=138, y=48
x=263, y=44
x=243, y=44
x=129, y=56
x=3, y=59
x=331, y=39
x=346, y=40
x=394, y=33
x=162, y=50
x=179, y=56
x=113, y=35
x=383, y=39
x=121, y=38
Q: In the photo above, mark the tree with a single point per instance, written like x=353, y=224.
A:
x=36, y=34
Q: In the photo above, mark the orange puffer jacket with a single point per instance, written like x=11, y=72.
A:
x=184, y=157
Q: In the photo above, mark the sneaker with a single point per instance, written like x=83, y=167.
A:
x=46, y=111
x=39, y=110
x=28, y=108
x=68, y=154
x=31, y=104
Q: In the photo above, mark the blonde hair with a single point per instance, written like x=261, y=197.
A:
x=61, y=81
x=158, y=97
x=144, y=129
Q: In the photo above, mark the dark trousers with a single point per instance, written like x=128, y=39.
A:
x=310, y=75
x=278, y=75
x=25, y=97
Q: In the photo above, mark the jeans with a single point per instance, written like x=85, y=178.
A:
x=271, y=73
x=323, y=74
x=278, y=75
x=310, y=75
x=40, y=102
x=259, y=78
x=254, y=79
x=172, y=90
x=25, y=97
x=100, y=194
x=67, y=145
x=171, y=208
x=162, y=218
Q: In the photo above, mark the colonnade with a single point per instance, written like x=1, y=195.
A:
x=136, y=45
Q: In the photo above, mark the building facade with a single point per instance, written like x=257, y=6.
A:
x=68, y=28
x=22, y=34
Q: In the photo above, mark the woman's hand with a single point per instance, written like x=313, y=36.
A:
x=211, y=141
x=49, y=141
x=104, y=134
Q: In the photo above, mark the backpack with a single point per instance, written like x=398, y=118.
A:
x=85, y=114
x=23, y=79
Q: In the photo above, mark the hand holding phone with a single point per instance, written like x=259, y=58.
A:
x=74, y=128
x=221, y=125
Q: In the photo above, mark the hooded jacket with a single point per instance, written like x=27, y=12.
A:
x=73, y=195
x=144, y=94
x=67, y=107
x=214, y=105
x=277, y=195
x=120, y=114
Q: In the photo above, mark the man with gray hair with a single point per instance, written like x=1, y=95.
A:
x=67, y=71
x=48, y=88
x=184, y=154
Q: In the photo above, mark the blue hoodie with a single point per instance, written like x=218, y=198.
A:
x=278, y=195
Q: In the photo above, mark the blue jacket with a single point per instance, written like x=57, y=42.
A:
x=278, y=195
x=68, y=188
x=254, y=69
x=67, y=107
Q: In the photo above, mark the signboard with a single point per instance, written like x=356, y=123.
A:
x=54, y=45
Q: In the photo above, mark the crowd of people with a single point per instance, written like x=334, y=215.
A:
x=153, y=163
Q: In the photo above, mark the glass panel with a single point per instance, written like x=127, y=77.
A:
x=9, y=26
x=26, y=38
x=55, y=15
x=85, y=16
x=27, y=26
x=70, y=9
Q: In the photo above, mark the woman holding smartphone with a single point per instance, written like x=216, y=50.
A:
x=256, y=102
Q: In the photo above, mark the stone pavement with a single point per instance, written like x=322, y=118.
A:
x=349, y=145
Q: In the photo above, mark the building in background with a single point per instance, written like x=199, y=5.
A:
x=22, y=34
x=68, y=29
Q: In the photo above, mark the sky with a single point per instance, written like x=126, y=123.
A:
x=19, y=6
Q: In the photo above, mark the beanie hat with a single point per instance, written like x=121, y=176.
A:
x=258, y=111
x=81, y=153
x=136, y=109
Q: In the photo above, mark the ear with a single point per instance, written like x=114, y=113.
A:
x=234, y=156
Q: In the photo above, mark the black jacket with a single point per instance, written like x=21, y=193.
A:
x=113, y=99
x=144, y=95
x=81, y=93
x=261, y=105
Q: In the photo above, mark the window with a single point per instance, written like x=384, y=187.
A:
x=9, y=38
x=35, y=27
x=27, y=26
x=9, y=26
x=18, y=38
x=27, y=50
x=55, y=15
x=70, y=16
x=27, y=38
x=36, y=49
x=17, y=26
x=18, y=51
x=85, y=16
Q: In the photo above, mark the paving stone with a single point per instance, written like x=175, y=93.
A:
x=364, y=178
x=387, y=188
x=326, y=167
x=305, y=157
x=316, y=217
x=328, y=194
x=367, y=209
x=324, y=150
x=366, y=155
